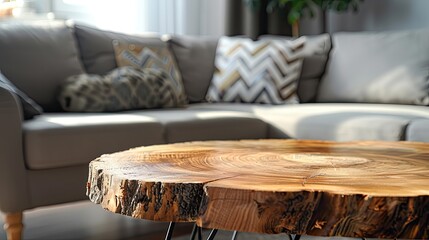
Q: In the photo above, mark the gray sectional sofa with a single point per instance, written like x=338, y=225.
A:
x=44, y=160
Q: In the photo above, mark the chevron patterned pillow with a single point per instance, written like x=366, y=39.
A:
x=264, y=71
x=140, y=56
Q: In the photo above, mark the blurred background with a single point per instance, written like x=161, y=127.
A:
x=220, y=17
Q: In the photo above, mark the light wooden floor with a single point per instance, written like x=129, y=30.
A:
x=87, y=221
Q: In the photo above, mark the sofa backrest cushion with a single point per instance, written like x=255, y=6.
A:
x=96, y=47
x=316, y=55
x=384, y=67
x=195, y=57
x=37, y=57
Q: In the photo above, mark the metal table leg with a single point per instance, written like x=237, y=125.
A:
x=196, y=230
x=294, y=236
x=170, y=231
x=200, y=233
x=234, y=235
x=212, y=234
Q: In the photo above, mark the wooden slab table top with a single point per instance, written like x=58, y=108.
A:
x=352, y=189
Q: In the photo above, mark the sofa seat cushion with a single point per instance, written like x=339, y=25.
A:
x=337, y=122
x=69, y=139
x=196, y=125
x=418, y=131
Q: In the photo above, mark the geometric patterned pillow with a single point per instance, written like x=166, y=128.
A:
x=140, y=56
x=264, y=71
x=124, y=88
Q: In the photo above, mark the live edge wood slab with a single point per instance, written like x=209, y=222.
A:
x=354, y=189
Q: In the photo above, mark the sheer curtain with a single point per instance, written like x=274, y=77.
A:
x=184, y=17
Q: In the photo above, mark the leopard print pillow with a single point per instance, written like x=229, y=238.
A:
x=124, y=88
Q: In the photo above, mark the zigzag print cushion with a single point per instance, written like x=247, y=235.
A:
x=264, y=71
x=140, y=56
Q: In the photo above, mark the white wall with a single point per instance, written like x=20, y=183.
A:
x=213, y=17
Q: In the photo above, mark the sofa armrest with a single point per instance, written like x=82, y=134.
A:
x=14, y=195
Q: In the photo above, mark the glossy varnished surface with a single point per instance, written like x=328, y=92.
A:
x=292, y=186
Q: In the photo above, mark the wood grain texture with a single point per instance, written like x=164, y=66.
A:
x=13, y=225
x=355, y=189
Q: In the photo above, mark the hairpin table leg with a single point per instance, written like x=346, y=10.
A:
x=200, y=233
x=212, y=234
x=196, y=230
x=234, y=235
x=294, y=236
x=170, y=231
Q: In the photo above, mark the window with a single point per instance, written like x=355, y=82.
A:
x=136, y=16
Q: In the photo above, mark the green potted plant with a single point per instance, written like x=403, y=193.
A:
x=297, y=9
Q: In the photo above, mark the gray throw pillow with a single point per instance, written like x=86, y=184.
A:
x=29, y=107
x=124, y=88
